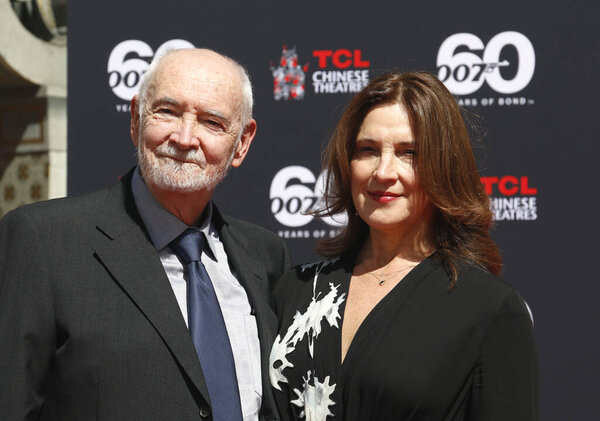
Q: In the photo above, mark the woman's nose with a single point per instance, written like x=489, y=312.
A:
x=386, y=167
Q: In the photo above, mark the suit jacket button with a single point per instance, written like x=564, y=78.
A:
x=204, y=412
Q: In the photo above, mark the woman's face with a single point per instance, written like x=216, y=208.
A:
x=385, y=188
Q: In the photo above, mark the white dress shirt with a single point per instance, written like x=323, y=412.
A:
x=242, y=330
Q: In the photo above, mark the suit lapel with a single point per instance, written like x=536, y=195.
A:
x=128, y=255
x=253, y=277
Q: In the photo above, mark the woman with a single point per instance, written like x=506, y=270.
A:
x=406, y=319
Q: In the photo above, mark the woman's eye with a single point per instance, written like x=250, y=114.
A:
x=366, y=149
x=406, y=152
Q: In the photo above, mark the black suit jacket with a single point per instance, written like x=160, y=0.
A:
x=90, y=327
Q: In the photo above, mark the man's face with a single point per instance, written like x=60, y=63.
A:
x=188, y=131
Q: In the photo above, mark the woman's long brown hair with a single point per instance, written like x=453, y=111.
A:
x=444, y=163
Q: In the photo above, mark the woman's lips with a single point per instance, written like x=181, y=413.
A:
x=383, y=196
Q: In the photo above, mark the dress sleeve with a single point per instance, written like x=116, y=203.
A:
x=505, y=386
x=27, y=328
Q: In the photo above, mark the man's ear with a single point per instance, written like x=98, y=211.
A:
x=248, y=133
x=135, y=120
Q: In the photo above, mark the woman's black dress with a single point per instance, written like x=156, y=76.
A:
x=425, y=352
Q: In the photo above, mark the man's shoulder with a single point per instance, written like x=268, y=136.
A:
x=67, y=209
x=256, y=239
x=250, y=230
x=257, y=242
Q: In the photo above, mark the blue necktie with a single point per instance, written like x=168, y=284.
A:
x=208, y=330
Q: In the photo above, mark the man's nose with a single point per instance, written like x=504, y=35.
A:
x=185, y=137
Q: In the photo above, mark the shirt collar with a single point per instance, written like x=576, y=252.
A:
x=161, y=224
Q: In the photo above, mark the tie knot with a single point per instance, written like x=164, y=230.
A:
x=188, y=246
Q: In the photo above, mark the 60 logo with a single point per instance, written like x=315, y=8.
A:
x=125, y=72
x=291, y=195
x=464, y=72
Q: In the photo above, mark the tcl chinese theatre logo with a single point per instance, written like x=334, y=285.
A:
x=511, y=198
x=289, y=76
x=339, y=71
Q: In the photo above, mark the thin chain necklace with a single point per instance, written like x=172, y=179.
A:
x=384, y=277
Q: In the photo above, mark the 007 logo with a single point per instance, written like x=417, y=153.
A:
x=464, y=71
x=130, y=59
x=295, y=190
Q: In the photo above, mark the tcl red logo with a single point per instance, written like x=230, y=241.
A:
x=342, y=59
x=508, y=185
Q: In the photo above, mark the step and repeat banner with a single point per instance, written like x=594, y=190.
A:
x=527, y=75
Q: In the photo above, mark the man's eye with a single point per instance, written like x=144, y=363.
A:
x=214, y=124
x=166, y=111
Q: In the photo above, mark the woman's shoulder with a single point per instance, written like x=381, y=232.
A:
x=474, y=277
x=309, y=272
x=305, y=281
x=492, y=292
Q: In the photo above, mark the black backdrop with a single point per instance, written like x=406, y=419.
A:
x=527, y=69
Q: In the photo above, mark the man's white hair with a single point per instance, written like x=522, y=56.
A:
x=247, y=99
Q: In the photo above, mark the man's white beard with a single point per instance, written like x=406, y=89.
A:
x=176, y=176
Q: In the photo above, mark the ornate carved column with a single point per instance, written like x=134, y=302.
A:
x=33, y=94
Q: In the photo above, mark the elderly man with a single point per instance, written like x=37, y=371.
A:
x=142, y=301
